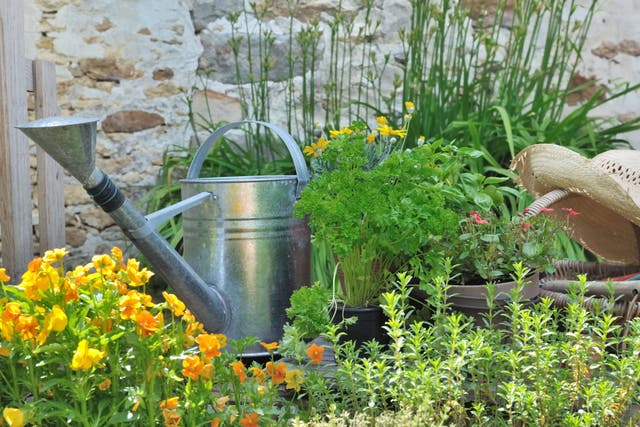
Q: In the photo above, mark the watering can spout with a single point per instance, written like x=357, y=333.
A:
x=71, y=142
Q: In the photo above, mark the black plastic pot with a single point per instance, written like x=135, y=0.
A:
x=368, y=326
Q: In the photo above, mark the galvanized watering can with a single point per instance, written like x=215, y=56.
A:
x=244, y=252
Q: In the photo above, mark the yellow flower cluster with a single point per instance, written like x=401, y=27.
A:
x=360, y=130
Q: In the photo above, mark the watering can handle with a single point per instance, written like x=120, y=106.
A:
x=298, y=160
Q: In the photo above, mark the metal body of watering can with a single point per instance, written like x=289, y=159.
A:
x=246, y=241
x=244, y=251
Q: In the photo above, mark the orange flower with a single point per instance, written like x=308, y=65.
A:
x=11, y=311
x=27, y=327
x=148, y=323
x=129, y=305
x=192, y=367
x=315, y=353
x=116, y=252
x=221, y=402
x=215, y=422
x=269, y=346
x=238, y=370
x=104, y=385
x=249, y=420
x=3, y=275
x=277, y=371
x=170, y=403
x=210, y=344
x=171, y=416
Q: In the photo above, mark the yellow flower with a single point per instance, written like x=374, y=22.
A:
x=386, y=130
x=3, y=275
x=55, y=255
x=371, y=138
x=136, y=276
x=116, y=252
x=409, y=106
x=37, y=279
x=103, y=263
x=294, y=379
x=56, y=320
x=85, y=357
x=269, y=346
x=317, y=148
x=334, y=133
x=177, y=307
x=13, y=416
x=421, y=140
x=5, y=351
x=258, y=374
x=381, y=120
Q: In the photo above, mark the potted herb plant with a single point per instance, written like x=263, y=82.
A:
x=489, y=249
x=378, y=206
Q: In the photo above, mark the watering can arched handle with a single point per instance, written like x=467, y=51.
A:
x=298, y=159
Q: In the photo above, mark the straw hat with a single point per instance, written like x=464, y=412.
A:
x=604, y=191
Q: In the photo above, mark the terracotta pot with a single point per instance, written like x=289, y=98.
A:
x=368, y=326
x=472, y=299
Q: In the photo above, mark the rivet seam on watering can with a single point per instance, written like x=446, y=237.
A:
x=142, y=232
x=106, y=195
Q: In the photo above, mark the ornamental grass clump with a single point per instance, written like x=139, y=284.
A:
x=89, y=347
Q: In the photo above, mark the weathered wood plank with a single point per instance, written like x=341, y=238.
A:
x=50, y=187
x=15, y=183
x=28, y=74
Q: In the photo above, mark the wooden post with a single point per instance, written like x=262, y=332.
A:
x=15, y=183
x=50, y=187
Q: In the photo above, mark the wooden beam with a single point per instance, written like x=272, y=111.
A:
x=15, y=182
x=50, y=186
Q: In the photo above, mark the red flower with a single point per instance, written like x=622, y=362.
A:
x=525, y=226
x=543, y=209
x=475, y=216
x=571, y=211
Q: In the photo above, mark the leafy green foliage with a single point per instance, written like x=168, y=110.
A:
x=309, y=310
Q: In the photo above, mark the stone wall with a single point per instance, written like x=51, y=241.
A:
x=130, y=63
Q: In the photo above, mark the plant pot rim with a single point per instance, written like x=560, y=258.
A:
x=502, y=290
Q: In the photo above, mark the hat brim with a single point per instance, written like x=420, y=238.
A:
x=608, y=217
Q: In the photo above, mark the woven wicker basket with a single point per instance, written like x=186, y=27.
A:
x=599, y=285
x=626, y=293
